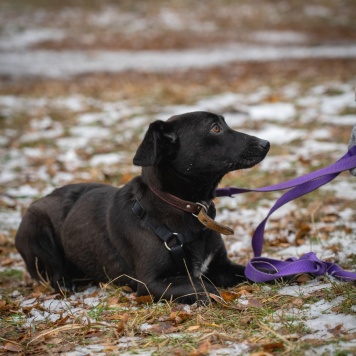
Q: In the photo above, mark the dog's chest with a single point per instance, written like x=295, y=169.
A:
x=201, y=266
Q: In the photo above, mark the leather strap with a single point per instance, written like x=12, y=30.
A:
x=211, y=224
x=181, y=204
x=197, y=209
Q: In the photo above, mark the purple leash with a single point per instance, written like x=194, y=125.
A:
x=308, y=263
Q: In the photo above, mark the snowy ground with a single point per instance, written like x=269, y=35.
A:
x=51, y=138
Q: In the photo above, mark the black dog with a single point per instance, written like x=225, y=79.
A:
x=157, y=233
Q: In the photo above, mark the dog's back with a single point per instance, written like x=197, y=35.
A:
x=38, y=237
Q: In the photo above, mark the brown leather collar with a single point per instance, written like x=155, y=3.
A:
x=197, y=209
x=181, y=204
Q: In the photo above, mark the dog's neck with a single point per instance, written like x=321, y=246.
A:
x=195, y=189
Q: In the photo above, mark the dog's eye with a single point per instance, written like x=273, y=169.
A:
x=215, y=129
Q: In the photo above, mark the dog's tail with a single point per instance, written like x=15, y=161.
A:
x=37, y=243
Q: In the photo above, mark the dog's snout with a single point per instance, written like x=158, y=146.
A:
x=264, y=144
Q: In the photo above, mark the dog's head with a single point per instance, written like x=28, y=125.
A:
x=199, y=143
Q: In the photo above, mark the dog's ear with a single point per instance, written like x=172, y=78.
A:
x=159, y=142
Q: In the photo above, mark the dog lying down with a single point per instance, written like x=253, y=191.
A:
x=155, y=234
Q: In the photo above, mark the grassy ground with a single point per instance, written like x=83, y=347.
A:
x=249, y=319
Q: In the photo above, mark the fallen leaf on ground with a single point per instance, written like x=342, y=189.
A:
x=273, y=346
x=10, y=346
x=162, y=328
x=255, y=303
x=193, y=328
x=122, y=323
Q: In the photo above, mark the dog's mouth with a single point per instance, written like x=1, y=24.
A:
x=251, y=156
x=244, y=163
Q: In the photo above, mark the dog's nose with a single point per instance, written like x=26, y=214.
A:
x=264, y=144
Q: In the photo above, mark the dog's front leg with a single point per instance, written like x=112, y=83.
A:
x=224, y=273
x=180, y=289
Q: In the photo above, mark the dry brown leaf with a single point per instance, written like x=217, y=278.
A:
x=13, y=347
x=303, y=278
x=145, y=299
x=193, y=328
x=179, y=317
x=202, y=350
x=62, y=321
x=112, y=301
x=110, y=348
x=337, y=330
x=217, y=299
x=273, y=346
x=55, y=341
x=261, y=353
x=246, y=320
x=248, y=288
x=255, y=303
x=298, y=302
x=127, y=289
x=122, y=323
x=229, y=296
x=162, y=328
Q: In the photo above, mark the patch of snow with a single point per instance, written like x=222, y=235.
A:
x=90, y=132
x=278, y=37
x=222, y=102
x=234, y=349
x=309, y=148
x=54, y=131
x=4, y=140
x=320, y=134
x=70, y=160
x=236, y=120
x=277, y=163
x=344, y=120
x=305, y=289
x=320, y=319
x=145, y=327
x=273, y=111
x=7, y=176
x=347, y=348
x=28, y=37
x=342, y=188
x=107, y=159
x=332, y=105
x=280, y=135
x=23, y=191
x=71, y=143
x=66, y=63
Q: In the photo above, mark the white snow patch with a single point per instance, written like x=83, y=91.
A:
x=279, y=134
x=278, y=37
x=342, y=189
x=277, y=163
x=107, y=159
x=23, y=191
x=305, y=289
x=90, y=132
x=28, y=37
x=65, y=63
x=273, y=111
x=344, y=120
x=332, y=105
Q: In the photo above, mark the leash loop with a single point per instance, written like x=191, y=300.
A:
x=262, y=269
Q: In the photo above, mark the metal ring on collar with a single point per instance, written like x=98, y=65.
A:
x=203, y=206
